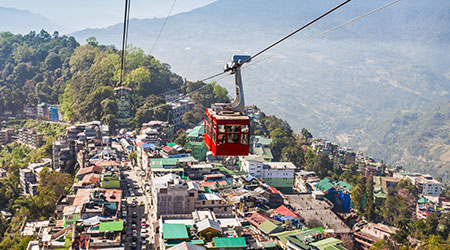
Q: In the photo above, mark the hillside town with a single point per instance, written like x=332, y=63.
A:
x=145, y=189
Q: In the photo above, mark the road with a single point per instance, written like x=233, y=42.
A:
x=133, y=193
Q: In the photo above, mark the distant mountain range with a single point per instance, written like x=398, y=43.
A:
x=394, y=60
x=418, y=140
x=23, y=21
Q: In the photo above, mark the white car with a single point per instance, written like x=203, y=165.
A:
x=143, y=232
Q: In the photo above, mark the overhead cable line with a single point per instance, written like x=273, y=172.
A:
x=299, y=29
x=126, y=20
x=284, y=38
x=324, y=32
x=162, y=27
x=301, y=43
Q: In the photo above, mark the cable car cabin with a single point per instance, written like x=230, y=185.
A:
x=226, y=134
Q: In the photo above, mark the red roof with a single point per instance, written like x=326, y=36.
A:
x=83, y=195
x=212, y=183
x=91, y=169
x=167, y=149
x=257, y=219
x=284, y=211
x=91, y=178
x=107, y=163
x=274, y=190
x=214, y=176
x=139, y=144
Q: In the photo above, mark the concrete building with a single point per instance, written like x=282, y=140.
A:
x=63, y=155
x=28, y=181
x=29, y=176
x=122, y=96
x=169, y=195
x=365, y=234
x=30, y=138
x=279, y=175
x=317, y=213
x=429, y=187
x=178, y=109
x=173, y=195
x=5, y=135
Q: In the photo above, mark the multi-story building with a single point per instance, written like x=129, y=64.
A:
x=53, y=113
x=365, y=234
x=28, y=181
x=173, y=195
x=425, y=183
x=429, y=186
x=178, y=109
x=5, y=135
x=122, y=96
x=279, y=175
x=29, y=176
x=30, y=138
x=63, y=155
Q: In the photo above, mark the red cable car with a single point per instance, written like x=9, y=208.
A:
x=226, y=127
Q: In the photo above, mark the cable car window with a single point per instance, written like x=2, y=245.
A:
x=244, y=128
x=233, y=138
x=214, y=136
x=221, y=128
x=233, y=128
x=214, y=126
x=220, y=139
x=244, y=139
x=207, y=129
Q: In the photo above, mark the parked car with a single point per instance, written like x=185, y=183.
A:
x=133, y=244
x=133, y=226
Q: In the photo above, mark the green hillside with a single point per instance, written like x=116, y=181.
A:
x=418, y=140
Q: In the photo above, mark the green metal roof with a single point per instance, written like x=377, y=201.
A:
x=423, y=200
x=111, y=226
x=283, y=236
x=325, y=243
x=324, y=185
x=268, y=244
x=171, y=144
x=337, y=247
x=175, y=231
x=266, y=153
x=269, y=227
x=229, y=242
x=295, y=240
x=195, y=132
x=345, y=185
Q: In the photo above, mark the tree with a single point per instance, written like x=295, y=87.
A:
x=306, y=135
x=293, y=153
x=181, y=139
x=322, y=166
x=192, y=118
x=395, y=209
x=370, y=204
x=358, y=196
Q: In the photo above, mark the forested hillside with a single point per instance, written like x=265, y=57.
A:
x=33, y=68
x=56, y=69
x=419, y=140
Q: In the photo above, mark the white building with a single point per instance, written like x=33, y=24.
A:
x=430, y=187
x=178, y=110
x=425, y=183
x=276, y=174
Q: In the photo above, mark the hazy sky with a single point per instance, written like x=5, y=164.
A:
x=81, y=14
